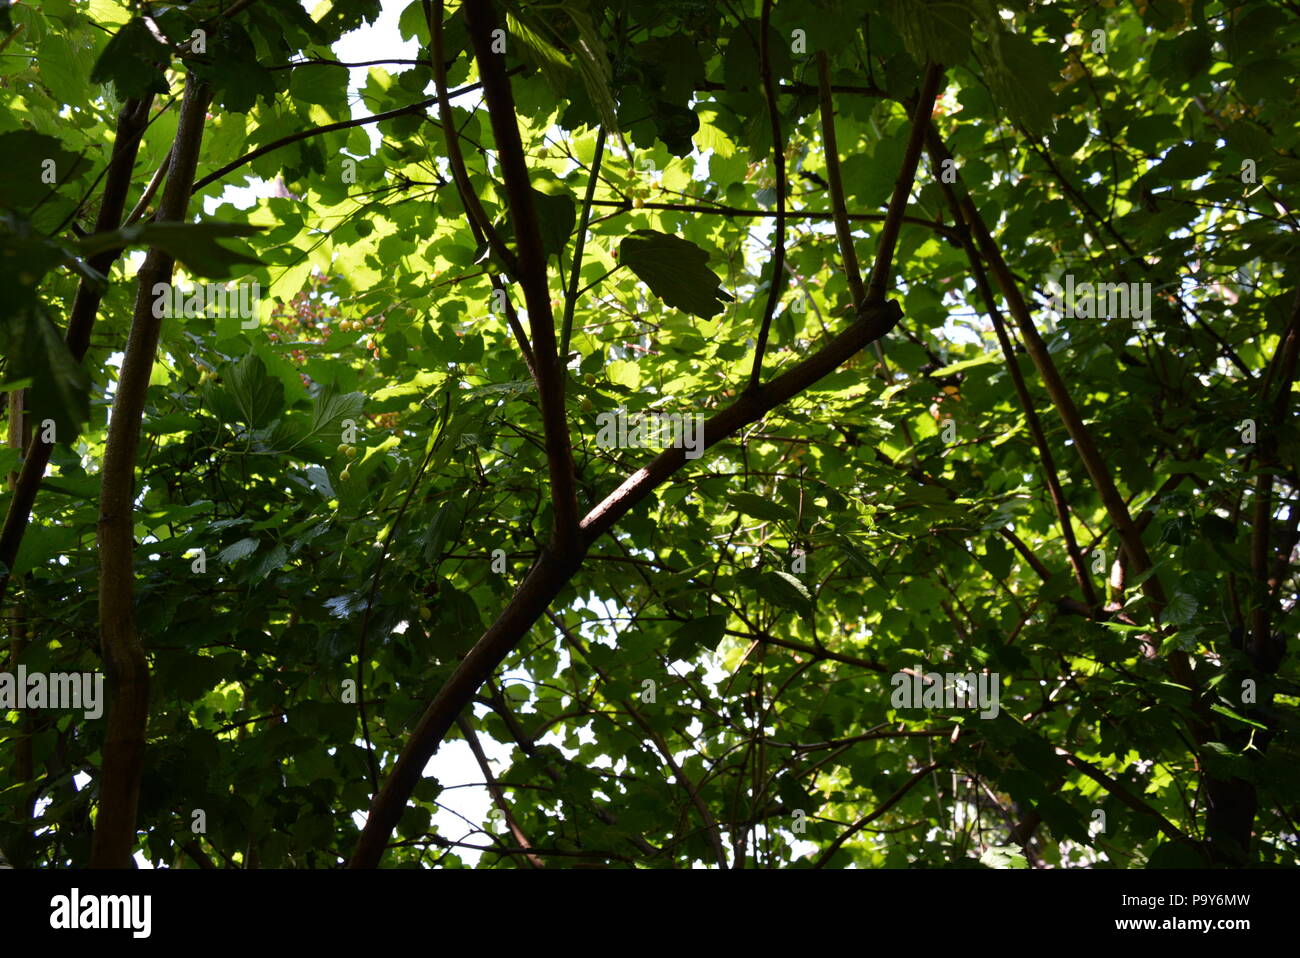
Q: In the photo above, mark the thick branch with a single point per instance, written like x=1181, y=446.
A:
x=875, y=322
x=1123, y=795
x=544, y=581
x=555, y=566
x=481, y=21
x=1284, y=368
x=124, y=659
x=552, y=571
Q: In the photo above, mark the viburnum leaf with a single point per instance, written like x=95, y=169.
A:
x=676, y=270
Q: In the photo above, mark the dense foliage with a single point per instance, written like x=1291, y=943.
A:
x=331, y=500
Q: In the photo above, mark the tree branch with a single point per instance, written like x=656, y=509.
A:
x=903, y=185
x=1284, y=366
x=498, y=795
x=1022, y=394
x=1122, y=794
x=131, y=122
x=124, y=659
x=247, y=158
x=478, y=218
x=1130, y=536
x=571, y=297
x=553, y=569
x=531, y=275
x=722, y=209
x=917, y=777
x=778, y=158
x=830, y=147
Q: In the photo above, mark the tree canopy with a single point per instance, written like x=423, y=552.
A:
x=811, y=433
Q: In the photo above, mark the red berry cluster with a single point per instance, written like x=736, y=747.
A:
x=307, y=318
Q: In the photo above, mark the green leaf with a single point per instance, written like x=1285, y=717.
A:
x=30, y=159
x=133, y=62
x=1222, y=762
x=42, y=545
x=1180, y=59
x=193, y=244
x=60, y=388
x=258, y=396
x=785, y=590
x=1020, y=73
x=270, y=562
x=444, y=525
x=1175, y=855
x=676, y=271
x=1004, y=856
x=412, y=24
x=592, y=62
x=1236, y=716
x=556, y=215
x=1187, y=161
x=237, y=550
x=981, y=360
x=938, y=30
x=1180, y=610
x=64, y=69
x=997, y=558
x=237, y=79
x=703, y=632
x=760, y=507
x=539, y=51
x=327, y=415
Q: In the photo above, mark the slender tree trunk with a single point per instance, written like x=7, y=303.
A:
x=124, y=658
